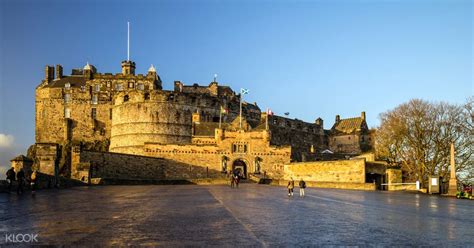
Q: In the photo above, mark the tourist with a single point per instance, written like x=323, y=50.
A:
x=20, y=177
x=302, y=185
x=10, y=178
x=33, y=182
x=237, y=180
x=291, y=186
x=232, y=181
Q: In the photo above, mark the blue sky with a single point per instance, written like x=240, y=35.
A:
x=310, y=58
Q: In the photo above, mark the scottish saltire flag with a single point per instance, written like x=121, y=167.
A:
x=244, y=91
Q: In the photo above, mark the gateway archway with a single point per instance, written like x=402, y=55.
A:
x=240, y=167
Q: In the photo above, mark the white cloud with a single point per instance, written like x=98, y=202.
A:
x=6, y=140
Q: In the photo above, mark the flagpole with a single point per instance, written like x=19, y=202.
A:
x=220, y=118
x=240, y=109
x=128, y=41
x=266, y=120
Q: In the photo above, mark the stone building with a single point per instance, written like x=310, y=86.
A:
x=132, y=115
x=350, y=136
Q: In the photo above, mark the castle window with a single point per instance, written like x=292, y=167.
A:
x=83, y=88
x=275, y=121
x=110, y=114
x=362, y=138
x=67, y=98
x=170, y=97
x=140, y=86
x=95, y=99
x=130, y=85
x=147, y=96
x=94, y=113
x=119, y=87
x=67, y=86
x=108, y=84
x=125, y=98
x=97, y=88
x=349, y=138
x=67, y=113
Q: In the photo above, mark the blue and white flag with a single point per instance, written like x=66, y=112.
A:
x=244, y=91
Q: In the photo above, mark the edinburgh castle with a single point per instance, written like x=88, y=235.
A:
x=92, y=126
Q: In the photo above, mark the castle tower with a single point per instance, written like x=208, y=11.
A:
x=128, y=67
x=153, y=75
x=89, y=70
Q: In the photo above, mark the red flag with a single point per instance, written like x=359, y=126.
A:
x=269, y=111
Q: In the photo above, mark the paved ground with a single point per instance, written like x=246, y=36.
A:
x=253, y=215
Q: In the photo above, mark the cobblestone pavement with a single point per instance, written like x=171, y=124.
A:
x=253, y=215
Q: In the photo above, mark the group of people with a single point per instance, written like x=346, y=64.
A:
x=291, y=186
x=21, y=179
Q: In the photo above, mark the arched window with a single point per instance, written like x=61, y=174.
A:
x=126, y=98
x=147, y=96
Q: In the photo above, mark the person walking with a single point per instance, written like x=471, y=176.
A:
x=232, y=181
x=20, y=177
x=33, y=182
x=237, y=180
x=291, y=186
x=302, y=185
x=10, y=178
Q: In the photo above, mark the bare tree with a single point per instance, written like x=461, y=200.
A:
x=417, y=135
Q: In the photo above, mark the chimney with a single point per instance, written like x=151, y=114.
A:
x=49, y=73
x=319, y=122
x=59, y=71
x=362, y=115
x=178, y=86
x=338, y=118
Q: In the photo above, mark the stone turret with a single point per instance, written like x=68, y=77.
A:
x=362, y=115
x=319, y=122
x=128, y=67
x=153, y=75
x=89, y=70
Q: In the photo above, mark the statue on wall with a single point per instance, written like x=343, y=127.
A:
x=224, y=164
x=257, y=165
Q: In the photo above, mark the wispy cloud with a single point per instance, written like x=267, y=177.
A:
x=6, y=140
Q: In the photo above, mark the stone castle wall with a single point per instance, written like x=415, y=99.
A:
x=344, y=171
x=125, y=166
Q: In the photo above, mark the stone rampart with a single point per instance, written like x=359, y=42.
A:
x=346, y=171
x=125, y=166
x=329, y=185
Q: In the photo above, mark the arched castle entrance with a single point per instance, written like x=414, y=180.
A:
x=240, y=166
